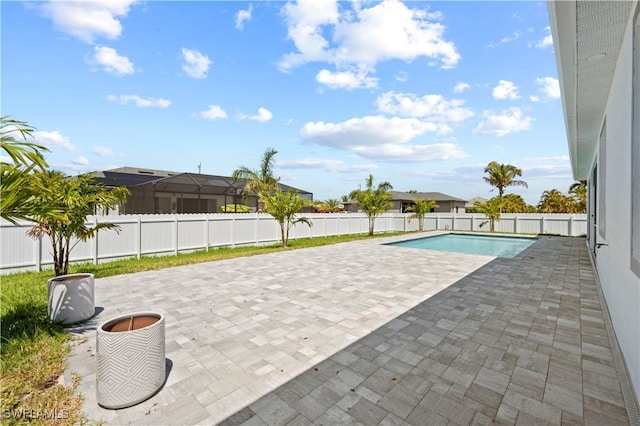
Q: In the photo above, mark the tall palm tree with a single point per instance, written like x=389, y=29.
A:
x=502, y=176
x=420, y=208
x=261, y=180
x=373, y=201
x=579, y=192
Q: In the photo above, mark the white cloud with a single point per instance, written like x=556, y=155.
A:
x=505, y=90
x=366, y=131
x=262, y=116
x=195, y=64
x=87, y=20
x=509, y=121
x=335, y=166
x=243, y=16
x=103, y=151
x=460, y=87
x=549, y=86
x=53, y=139
x=214, y=113
x=111, y=61
x=402, y=76
x=80, y=161
x=428, y=106
x=534, y=98
x=547, y=41
x=346, y=80
x=139, y=101
x=379, y=137
x=508, y=39
x=364, y=36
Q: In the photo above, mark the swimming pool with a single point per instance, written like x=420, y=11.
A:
x=488, y=245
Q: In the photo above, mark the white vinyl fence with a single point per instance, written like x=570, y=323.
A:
x=155, y=235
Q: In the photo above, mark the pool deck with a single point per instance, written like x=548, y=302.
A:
x=363, y=333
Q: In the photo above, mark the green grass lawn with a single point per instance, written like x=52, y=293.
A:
x=33, y=351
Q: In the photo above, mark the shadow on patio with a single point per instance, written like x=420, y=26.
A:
x=520, y=340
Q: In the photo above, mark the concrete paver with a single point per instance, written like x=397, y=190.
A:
x=363, y=333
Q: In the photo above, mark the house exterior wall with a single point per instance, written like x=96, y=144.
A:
x=613, y=191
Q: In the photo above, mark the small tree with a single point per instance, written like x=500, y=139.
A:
x=373, y=201
x=491, y=209
x=419, y=209
x=79, y=197
x=284, y=206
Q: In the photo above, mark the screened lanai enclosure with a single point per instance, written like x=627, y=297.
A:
x=158, y=191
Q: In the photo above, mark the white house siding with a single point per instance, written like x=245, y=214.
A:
x=620, y=285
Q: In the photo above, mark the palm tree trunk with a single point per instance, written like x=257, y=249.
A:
x=421, y=223
x=284, y=235
x=372, y=221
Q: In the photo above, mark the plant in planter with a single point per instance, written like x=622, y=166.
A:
x=78, y=197
x=130, y=356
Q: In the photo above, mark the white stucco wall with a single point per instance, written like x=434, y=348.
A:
x=620, y=285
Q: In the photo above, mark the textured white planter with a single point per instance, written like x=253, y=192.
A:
x=130, y=359
x=71, y=298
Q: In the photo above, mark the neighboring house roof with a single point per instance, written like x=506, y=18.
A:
x=472, y=201
x=168, y=181
x=410, y=196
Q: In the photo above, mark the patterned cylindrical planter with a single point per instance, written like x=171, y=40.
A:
x=130, y=356
x=71, y=298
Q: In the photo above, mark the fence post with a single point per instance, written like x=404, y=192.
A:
x=515, y=223
x=139, y=238
x=542, y=224
x=256, y=227
x=175, y=234
x=206, y=233
x=233, y=224
x=437, y=222
x=95, y=241
x=453, y=222
x=570, y=230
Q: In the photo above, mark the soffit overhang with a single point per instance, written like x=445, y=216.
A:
x=580, y=30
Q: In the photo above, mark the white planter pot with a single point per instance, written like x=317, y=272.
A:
x=130, y=356
x=71, y=298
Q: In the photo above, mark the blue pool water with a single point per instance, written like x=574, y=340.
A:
x=471, y=244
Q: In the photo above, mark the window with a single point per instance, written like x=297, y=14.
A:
x=602, y=192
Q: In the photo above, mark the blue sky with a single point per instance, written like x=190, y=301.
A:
x=420, y=94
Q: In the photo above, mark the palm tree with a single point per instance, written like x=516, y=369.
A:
x=17, y=200
x=79, y=197
x=284, y=206
x=419, y=209
x=373, y=201
x=579, y=192
x=502, y=176
x=261, y=180
x=491, y=208
x=553, y=201
x=331, y=205
x=514, y=203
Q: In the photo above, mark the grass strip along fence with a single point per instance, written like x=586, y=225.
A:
x=33, y=350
